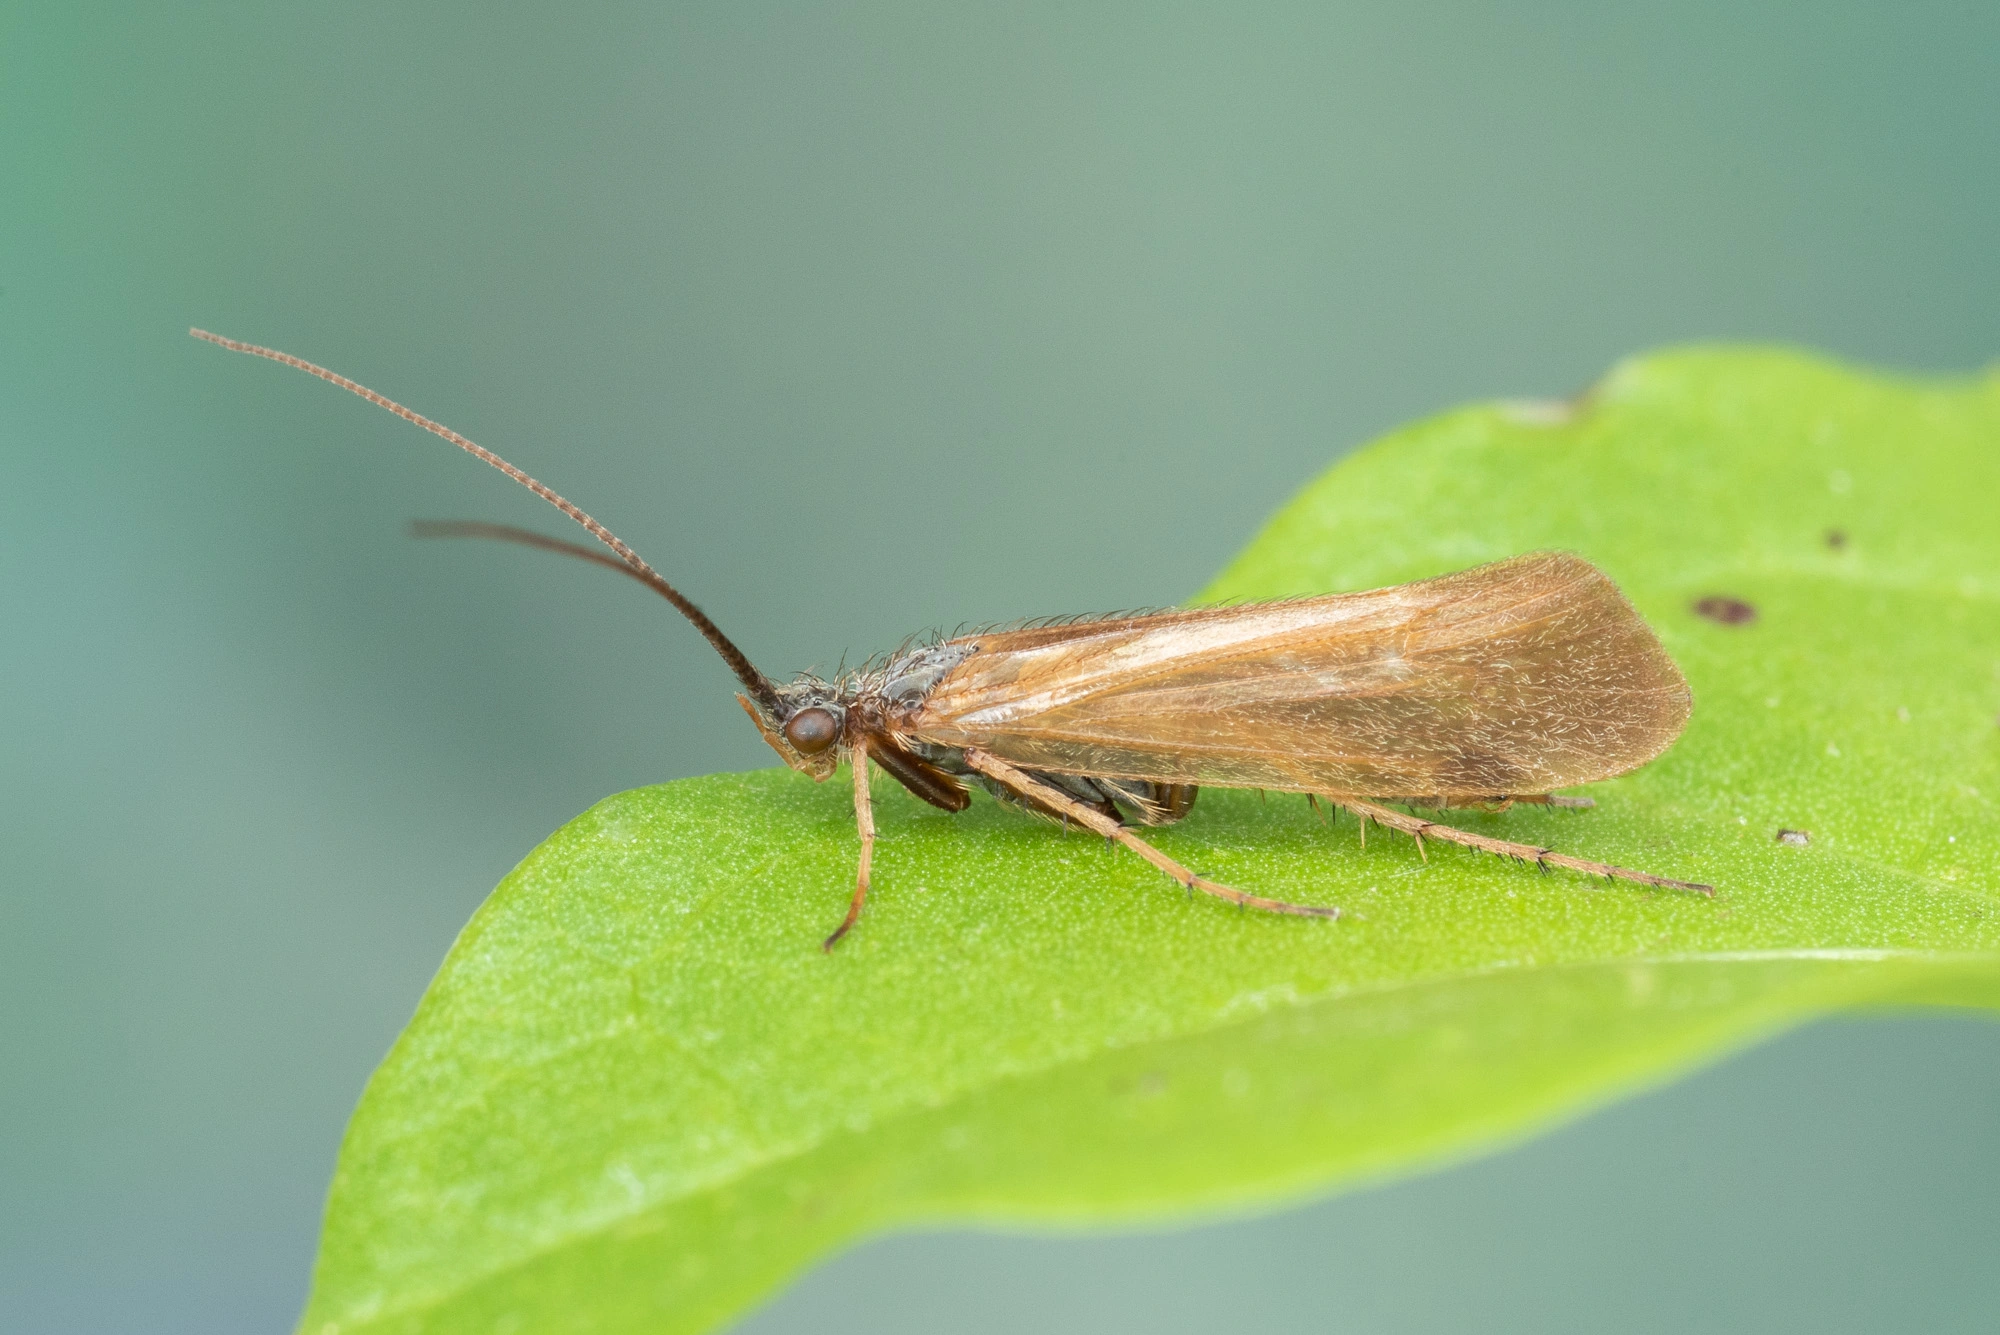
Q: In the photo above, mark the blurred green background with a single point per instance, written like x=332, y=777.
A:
x=855, y=320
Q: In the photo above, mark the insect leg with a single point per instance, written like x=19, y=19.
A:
x=1026, y=786
x=1499, y=802
x=1542, y=857
x=1149, y=803
x=918, y=775
x=1072, y=786
x=864, y=821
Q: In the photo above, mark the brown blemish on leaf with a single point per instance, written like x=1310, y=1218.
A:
x=1539, y=412
x=1557, y=412
x=1795, y=838
x=1836, y=539
x=1725, y=611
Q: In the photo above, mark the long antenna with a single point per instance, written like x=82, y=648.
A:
x=525, y=537
x=753, y=681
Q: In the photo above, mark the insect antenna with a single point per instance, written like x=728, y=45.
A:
x=525, y=537
x=755, y=682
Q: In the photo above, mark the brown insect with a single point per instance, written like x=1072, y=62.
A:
x=1483, y=689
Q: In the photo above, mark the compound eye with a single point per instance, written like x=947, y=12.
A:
x=812, y=730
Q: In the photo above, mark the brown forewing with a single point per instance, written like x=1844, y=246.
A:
x=1519, y=677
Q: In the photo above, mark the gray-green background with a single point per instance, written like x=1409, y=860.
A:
x=855, y=320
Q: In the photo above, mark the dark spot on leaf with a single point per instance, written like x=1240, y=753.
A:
x=1725, y=611
x=1796, y=838
x=1836, y=539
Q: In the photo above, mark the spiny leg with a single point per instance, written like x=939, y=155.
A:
x=1496, y=802
x=864, y=821
x=1417, y=828
x=1493, y=804
x=1000, y=771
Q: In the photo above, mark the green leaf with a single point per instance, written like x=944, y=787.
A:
x=638, y=1096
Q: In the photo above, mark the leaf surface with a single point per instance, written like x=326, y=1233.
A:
x=637, y=1096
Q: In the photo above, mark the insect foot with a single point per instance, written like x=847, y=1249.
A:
x=1543, y=857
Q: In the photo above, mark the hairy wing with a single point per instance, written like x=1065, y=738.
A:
x=1518, y=677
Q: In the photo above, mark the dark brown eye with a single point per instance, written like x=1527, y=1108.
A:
x=812, y=730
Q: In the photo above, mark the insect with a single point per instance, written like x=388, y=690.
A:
x=1486, y=688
